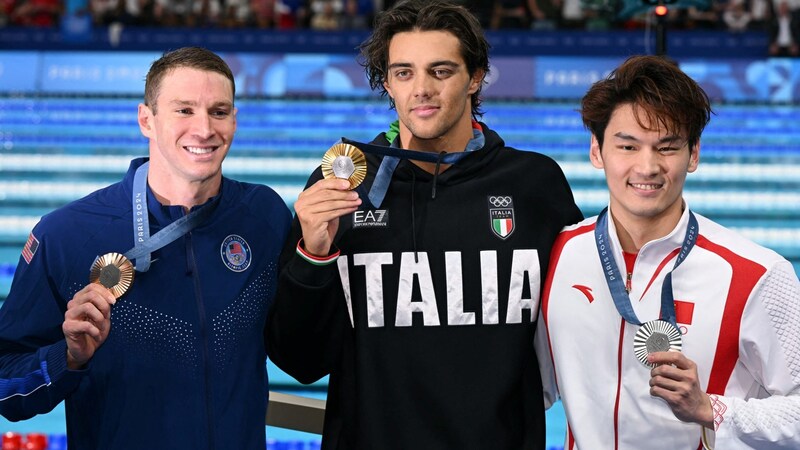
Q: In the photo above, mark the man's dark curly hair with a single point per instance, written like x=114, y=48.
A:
x=425, y=15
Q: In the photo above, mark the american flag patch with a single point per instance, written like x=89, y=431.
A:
x=30, y=248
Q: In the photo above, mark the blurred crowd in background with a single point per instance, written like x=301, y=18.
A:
x=780, y=18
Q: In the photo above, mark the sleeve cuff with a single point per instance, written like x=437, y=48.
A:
x=316, y=260
x=56, y=359
x=707, y=438
x=57, y=370
x=719, y=408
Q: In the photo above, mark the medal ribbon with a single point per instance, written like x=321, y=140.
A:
x=393, y=154
x=144, y=243
x=450, y=158
x=614, y=280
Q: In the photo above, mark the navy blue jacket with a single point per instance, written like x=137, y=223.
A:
x=183, y=366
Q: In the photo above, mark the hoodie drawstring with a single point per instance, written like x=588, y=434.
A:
x=436, y=174
x=413, y=201
x=413, y=217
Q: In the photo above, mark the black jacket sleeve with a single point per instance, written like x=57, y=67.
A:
x=308, y=319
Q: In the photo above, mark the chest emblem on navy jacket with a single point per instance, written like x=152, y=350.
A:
x=371, y=218
x=235, y=253
x=501, y=215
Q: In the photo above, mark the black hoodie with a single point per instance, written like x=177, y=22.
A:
x=429, y=344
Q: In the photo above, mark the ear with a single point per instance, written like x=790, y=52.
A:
x=475, y=82
x=694, y=158
x=145, y=119
x=388, y=88
x=595, y=155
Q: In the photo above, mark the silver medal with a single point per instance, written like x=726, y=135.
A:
x=655, y=336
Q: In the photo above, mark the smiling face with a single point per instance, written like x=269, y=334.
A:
x=645, y=171
x=431, y=87
x=190, y=134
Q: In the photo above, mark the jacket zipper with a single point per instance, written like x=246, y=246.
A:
x=201, y=311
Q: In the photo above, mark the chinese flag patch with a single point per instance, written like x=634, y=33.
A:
x=30, y=248
x=684, y=312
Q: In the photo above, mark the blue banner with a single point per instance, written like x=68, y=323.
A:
x=94, y=72
x=19, y=71
x=569, y=78
x=771, y=80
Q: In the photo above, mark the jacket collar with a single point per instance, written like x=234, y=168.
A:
x=657, y=249
x=163, y=214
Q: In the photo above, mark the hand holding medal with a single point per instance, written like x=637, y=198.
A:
x=675, y=380
x=87, y=321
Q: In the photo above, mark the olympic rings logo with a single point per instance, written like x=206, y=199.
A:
x=499, y=201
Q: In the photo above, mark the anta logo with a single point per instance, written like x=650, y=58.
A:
x=585, y=290
x=501, y=215
x=371, y=218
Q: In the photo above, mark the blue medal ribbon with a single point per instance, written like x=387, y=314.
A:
x=393, y=154
x=144, y=243
x=449, y=158
x=614, y=280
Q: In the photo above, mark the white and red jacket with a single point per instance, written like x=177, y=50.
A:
x=738, y=308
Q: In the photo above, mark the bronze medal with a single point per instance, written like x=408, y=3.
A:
x=113, y=271
x=345, y=161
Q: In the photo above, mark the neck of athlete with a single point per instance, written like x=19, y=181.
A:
x=634, y=232
x=172, y=191
x=455, y=140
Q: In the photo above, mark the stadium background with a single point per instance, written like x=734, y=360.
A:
x=68, y=99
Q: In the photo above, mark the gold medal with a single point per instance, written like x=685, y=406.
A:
x=113, y=271
x=345, y=161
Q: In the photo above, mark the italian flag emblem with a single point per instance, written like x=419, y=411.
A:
x=503, y=227
x=501, y=215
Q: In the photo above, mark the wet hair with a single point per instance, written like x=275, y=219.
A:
x=190, y=57
x=661, y=95
x=425, y=15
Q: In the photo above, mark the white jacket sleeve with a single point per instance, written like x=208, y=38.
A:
x=769, y=349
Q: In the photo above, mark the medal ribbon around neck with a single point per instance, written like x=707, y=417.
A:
x=449, y=158
x=617, y=286
x=144, y=243
x=393, y=154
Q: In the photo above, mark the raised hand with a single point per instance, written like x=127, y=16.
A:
x=318, y=209
x=675, y=380
x=87, y=323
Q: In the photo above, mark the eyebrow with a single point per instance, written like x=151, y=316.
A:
x=445, y=62
x=628, y=137
x=219, y=104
